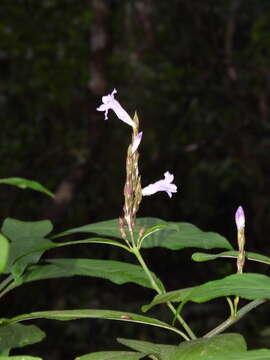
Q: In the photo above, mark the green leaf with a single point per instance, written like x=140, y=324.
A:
x=261, y=354
x=19, y=335
x=26, y=238
x=190, y=350
x=171, y=296
x=248, y=286
x=24, y=184
x=65, y=315
x=116, y=271
x=174, y=235
x=4, y=252
x=200, y=257
x=111, y=355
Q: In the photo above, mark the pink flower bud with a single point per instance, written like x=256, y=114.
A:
x=240, y=218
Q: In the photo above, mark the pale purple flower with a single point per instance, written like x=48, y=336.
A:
x=136, y=142
x=240, y=218
x=161, y=185
x=109, y=102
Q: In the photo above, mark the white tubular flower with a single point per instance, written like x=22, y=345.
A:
x=161, y=185
x=109, y=102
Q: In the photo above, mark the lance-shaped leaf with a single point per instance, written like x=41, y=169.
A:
x=25, y=238
x=174, y=235
x=248, y=286
x=112, y=355
x=116, y=271
x=66, y=315
x=200, y=257
x=24, y=184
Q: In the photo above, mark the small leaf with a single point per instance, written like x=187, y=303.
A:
x=111, y=355
x=19, y=335
x=24, y=183
x=4, y=252
x=116, y=271
x=26, y=240
x=174, y=236
x=200, y=257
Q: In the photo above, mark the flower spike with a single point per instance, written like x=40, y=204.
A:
x=109, y=103
x=161, y=185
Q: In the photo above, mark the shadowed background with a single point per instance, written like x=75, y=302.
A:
x=197, y=72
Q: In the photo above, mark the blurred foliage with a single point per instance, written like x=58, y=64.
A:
x=196, y=71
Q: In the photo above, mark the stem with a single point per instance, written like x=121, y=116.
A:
x=5, y=282
x=233, y=319
x=159, y=291
x=231, y=306
x=8, y=288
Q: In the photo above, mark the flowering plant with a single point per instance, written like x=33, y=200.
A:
x=23, y=243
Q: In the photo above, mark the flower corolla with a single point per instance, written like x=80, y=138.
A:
x=161, y=185
x=109, y=103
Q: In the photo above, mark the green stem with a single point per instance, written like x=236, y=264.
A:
x=159, y=291
x=5, y=282
x=233, y=319
x=11, y=286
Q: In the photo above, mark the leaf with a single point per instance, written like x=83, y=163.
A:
x=261, y=354
x=248, y=286
x=171, y=296
x=190, y=350
x=19, y=335
x=25, y=237
x=4, y=252
x=111, y=355
x=200, y=257
x=66, y=315
x=174, y=236
x=24, y=183
x=116, y=271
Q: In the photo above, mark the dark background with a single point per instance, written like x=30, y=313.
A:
x=198, y=74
